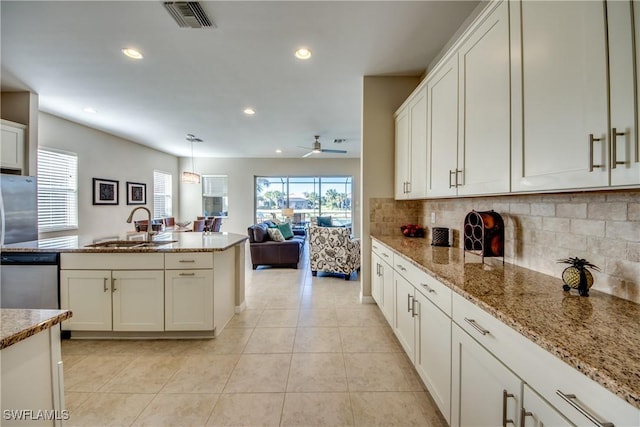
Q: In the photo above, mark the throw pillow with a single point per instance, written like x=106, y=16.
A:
x=275, y=234
x=285, y=229
x=324, y=221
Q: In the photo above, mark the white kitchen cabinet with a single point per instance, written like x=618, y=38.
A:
x=433, y=351
x=536, y=412
x=559, y=95
x=483, y=391
x=188, y=300
x=442, y=141
x=382, y=279
x=138, y=300
x=623, y=66
x=189, y=291
x=411, y=147
x=484, y=124
x=404, y=323
x=12, y=145
x=87, y=293
x=469, y=113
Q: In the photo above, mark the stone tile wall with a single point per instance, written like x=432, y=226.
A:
x=603, y=227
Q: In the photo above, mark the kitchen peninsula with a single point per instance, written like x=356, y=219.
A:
x=180, y=285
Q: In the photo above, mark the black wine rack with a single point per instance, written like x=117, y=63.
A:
x=484, y=234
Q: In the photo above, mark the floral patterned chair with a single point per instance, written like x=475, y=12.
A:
x=333, y=250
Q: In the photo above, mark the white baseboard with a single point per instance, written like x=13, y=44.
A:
x=367, y=299
x=240, y=308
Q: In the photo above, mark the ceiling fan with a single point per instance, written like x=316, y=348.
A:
x=316, y=148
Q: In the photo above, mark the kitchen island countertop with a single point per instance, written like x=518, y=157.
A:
x=175, y=242
x=17, y=324
x=584, y=332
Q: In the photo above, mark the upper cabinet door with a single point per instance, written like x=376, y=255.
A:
x=403, y=152
x=559, y=93
x=418, y=154
x=485, y=108
x=623, y=66
x=442, y=129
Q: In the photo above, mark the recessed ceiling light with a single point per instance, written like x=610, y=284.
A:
x=132, y=53
x=278, y=151
x=249, y=111
x=89, y=110
x=303, y=53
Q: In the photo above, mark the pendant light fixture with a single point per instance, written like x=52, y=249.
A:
x=191, y=177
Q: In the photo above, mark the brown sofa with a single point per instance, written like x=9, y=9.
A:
x=265, y=251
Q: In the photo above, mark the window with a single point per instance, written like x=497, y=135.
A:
x=215, y=196
x=307, y=196
x=161, y=194
x=57, y=190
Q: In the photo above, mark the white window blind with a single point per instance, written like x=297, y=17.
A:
x=214, y=185
x=161, y=194
x=57, y=190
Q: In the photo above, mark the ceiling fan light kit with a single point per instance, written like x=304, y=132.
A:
x=316, y=147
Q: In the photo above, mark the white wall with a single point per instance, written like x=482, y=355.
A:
x=22, y=107
x=381, y=98
x=101, y=155
x=241, y=173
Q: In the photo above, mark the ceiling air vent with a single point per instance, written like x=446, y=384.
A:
x=188, y=14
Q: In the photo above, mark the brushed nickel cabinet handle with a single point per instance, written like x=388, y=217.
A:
x=187, y=260
x=187, y=274
x=592, y=139
x=401, y=267
x=105, y=288
x=475, y=326
x=571, y=400
x=428, y=288
x=523, y=414
x=113, y=285
x=614, y=148
x=414, y=313
x=409, y=305
x=451, y=173
x=385, y=255
x=457, y=172
x=505, y=396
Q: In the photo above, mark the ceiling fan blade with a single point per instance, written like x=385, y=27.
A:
x=308, y=154
x=328, y=150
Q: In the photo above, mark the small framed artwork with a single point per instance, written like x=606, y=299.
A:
x=105, y=191
x=136, y=193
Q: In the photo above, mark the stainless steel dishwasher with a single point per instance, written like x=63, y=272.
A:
x=29, y=280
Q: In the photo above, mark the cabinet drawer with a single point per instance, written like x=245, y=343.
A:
x=494, y=335
x=107, y=261
x=436, y=292
x=384, y=252
x=188, y=260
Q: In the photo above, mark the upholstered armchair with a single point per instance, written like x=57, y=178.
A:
x=333, y=250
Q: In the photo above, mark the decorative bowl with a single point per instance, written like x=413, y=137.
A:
x=183, y=224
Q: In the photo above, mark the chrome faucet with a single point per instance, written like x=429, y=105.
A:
x=150, y=231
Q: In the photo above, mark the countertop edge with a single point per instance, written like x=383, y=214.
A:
x=34, y=329
x=628, y=395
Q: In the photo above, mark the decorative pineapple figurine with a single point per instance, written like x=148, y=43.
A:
x=577, y=275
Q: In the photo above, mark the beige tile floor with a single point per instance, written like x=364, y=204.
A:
x=304, y=353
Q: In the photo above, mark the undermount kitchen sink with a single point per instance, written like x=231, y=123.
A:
x=119, y=244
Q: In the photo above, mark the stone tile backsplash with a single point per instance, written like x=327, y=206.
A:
x=603, y=227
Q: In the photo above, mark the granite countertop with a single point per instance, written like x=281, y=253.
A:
x=17, y=324
x=586, y=333
x=175, y=242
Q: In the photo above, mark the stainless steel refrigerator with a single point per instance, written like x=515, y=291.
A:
x=18, y=208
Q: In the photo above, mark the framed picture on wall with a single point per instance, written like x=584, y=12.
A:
x=105, y=191
x=136, y=193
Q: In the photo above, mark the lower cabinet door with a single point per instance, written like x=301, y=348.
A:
x=188, y=300
x=484, y=392
x=433, y=353
x=87, y=293
x=388, y=291
x=536, y=412
x=138, y=300
x=376, y=279
x=404, y=324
